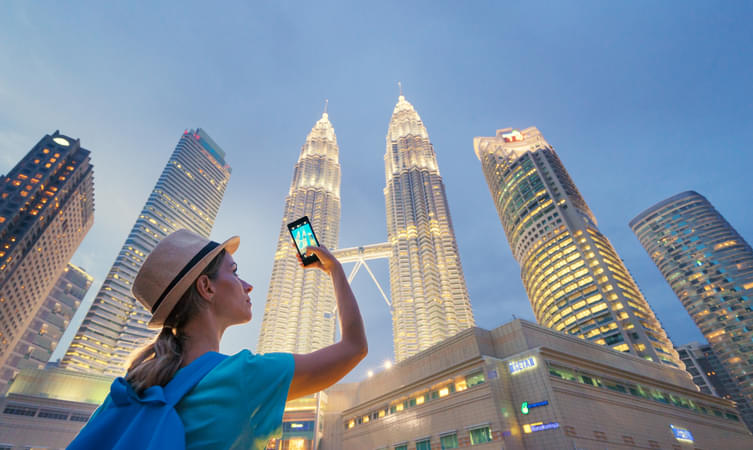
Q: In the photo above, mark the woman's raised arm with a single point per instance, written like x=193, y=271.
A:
x=324, y=367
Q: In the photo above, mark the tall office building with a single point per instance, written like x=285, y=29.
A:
x=46, y=209
x=429, y=296
x=710, y=268
x=47, y=327
x=299, y=315
x=575, y=280
x=187, y=195
x=707, y=371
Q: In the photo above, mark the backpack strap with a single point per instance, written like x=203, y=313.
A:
x=188, y=377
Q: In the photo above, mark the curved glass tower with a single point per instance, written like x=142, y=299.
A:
x=575, y=280
x=187, y=195
x=710, y=268
x=299, y=315
x=430, y=299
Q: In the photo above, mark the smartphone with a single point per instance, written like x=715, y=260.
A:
x=303, y=236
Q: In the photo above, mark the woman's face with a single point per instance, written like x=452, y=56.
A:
x=232, y=302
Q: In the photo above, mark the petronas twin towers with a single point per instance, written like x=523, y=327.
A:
x=429, y=297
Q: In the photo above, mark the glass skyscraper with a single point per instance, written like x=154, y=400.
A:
x=710, y=268
x=430, y=299
x=299, y=315
x=575, y=280
x=46, y=209
x=187, y=195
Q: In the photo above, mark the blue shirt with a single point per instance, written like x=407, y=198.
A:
x=239, y=404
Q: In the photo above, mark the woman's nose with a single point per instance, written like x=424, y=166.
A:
x=247, y=287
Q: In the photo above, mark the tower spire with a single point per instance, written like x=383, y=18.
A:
x=400, y=86
x=315, y=192
x=436, y=304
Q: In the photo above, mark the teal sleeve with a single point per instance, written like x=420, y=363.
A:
x=268, y=379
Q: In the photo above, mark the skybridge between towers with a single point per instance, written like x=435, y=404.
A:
x=360, y=255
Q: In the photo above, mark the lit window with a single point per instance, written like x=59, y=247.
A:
x=296, y=444
x=481, y=435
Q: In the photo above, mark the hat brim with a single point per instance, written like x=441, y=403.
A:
x=180, y=288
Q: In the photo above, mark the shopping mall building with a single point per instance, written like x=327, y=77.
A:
x=519, y=386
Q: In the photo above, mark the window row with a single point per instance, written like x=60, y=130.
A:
x=637, y=390
x=418, y=398
x=28, y=411
x=476, y=436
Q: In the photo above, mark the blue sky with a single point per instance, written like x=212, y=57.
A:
x=641, y=100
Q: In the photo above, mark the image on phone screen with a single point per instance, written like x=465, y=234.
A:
x=304, y=237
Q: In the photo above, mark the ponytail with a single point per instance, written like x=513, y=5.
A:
x=156, y=363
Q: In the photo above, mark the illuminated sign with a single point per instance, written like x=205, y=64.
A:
x=539, y=426
x=525, y=406
x=521, y=365
x=682, y=434
x=61, y=141
x=513, y=136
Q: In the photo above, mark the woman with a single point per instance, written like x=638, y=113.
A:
x=192, y=288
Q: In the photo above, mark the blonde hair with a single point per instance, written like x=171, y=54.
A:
x=157, y=362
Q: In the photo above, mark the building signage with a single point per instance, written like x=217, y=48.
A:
x=525, y=406
x=513, y=136
x=682, y=434
x=539, y=426
x=521, y=365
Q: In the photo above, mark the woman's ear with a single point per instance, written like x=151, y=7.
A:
x=204, y=287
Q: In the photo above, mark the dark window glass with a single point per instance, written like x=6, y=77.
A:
x=481, y=435
x=474, y=379
x=449, y=441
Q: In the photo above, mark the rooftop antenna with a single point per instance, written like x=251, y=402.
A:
x=326, y=103
x=400, y=85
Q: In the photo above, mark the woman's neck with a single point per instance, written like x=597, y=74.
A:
x=202, y=335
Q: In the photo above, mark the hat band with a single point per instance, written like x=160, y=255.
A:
x=202, y=253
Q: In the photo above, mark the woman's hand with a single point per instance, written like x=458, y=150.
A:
x=326, y=260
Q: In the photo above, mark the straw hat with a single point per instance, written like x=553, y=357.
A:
x=175, y=263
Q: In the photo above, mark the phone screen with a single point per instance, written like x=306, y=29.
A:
x=304, y=237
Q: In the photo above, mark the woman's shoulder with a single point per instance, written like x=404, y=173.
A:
x=257, y=364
